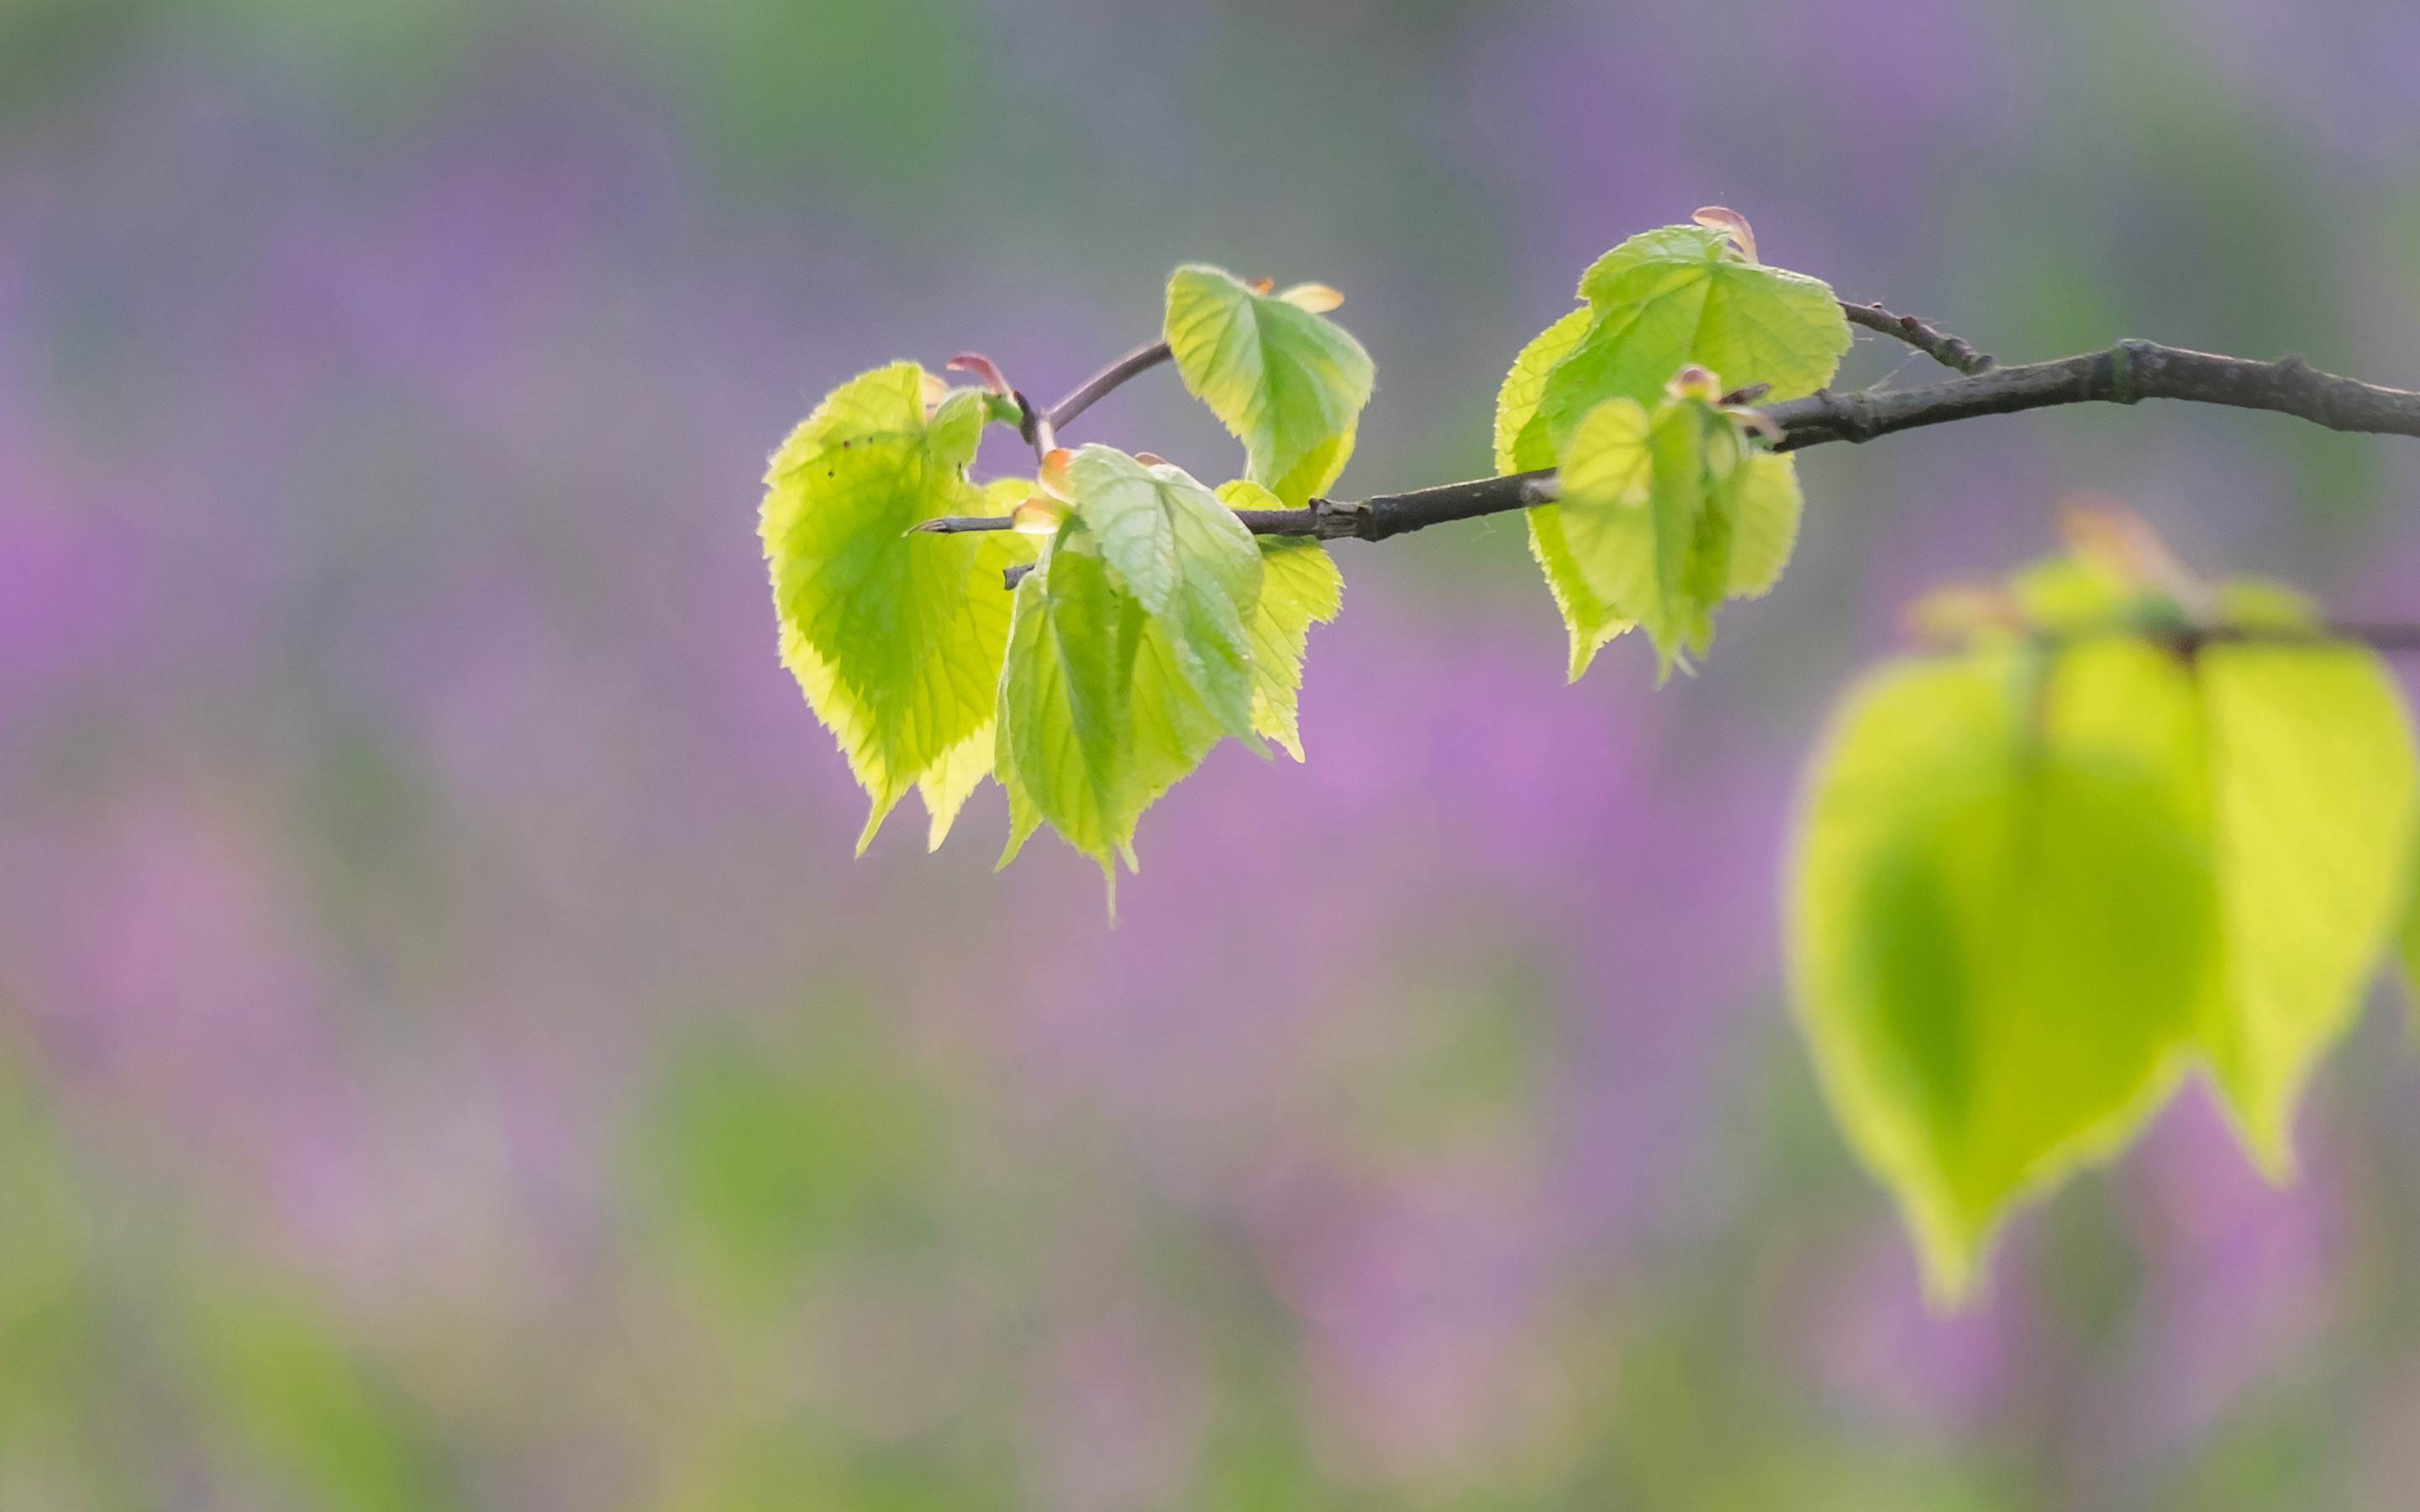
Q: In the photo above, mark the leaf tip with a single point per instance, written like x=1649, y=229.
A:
x=1732, y=224
x=994, y=380
x=1317, y=297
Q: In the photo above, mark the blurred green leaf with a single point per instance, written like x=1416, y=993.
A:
x=896, y=638
x=2001, y=923
x=764, y=1161
x=2409, y=942
x=2312, y=787
x=303, y=1404
x=51, y=1335
x=1672, y=296
x=1286, y=382
x=1299, y=587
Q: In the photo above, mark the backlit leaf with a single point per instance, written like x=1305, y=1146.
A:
x=2001, y=923
x=1588, y=619
x=1285, y=382
x=1517, y=400
x=1766, y=530
x=1680, y=295
x=1104, y=705
x=896, y=639
x=2313, y=786
x=1648, y=513
x=2410, y=945
x=1066, y=747
x=1187, y=561
x=1299, y=587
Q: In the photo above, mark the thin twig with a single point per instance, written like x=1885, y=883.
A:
x=1942, y=348
x=1090, y=391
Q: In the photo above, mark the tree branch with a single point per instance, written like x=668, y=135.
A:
x=1942, y=348
x=2126, y=373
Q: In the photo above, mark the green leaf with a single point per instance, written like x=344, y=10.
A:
x=1299, y=586
x=1589, y=619
x=1517, y=400
x=1187, y=561
x=1065, y=749
x=1104, y=705
x=896, y=639
x=2408, y=944
x=1682, y=295
x=2313, y=802
x=1767, y=531
x=2001, y=923
x=1649, y=511
x=1287, y=383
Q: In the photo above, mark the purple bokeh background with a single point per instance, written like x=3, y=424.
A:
x=451, y=1058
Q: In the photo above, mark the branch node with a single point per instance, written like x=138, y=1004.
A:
x=2122, y=388
x=1336, y=518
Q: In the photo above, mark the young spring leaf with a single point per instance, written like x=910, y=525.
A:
x=1655, y=505
x=1066, y=747
x=1187, y=561
x=1286, y=381
x=2312, y=787
x=1517, y=399
x=1299, y=586
x=1765, y=531
x=1682, y=295
x=1125, y=665
x=2001, y=923
x=1589, y=621
x=896, y=639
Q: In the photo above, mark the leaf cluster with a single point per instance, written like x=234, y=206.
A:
x=2124, y=829
x=2114, y=829
x=1150, y=622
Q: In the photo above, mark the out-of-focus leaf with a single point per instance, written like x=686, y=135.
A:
x=1286, y=382
x=895, y=637
x=2312, y=785
x=755, y=1167
x=1299, y=587
x=1677, y=296
x=2001, y=923
x=302, y=1402
x=2410, y=943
